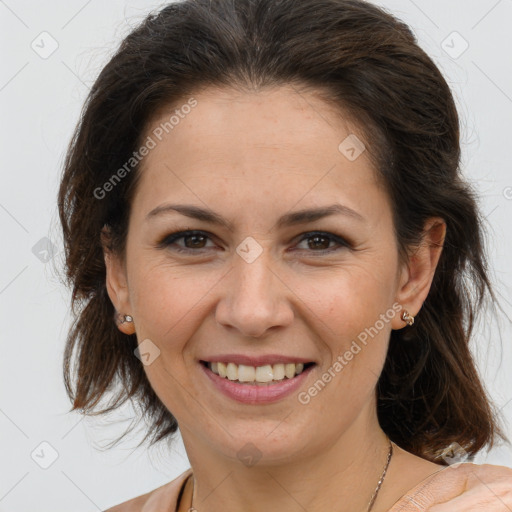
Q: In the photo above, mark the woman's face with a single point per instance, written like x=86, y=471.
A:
x=262, y=282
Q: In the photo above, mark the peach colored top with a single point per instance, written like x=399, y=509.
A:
x=444, y=485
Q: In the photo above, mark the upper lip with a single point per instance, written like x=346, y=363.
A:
x=255, y=360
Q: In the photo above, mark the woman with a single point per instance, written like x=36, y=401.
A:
x=273, y=249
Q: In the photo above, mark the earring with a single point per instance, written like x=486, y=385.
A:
x=407, y=318
x=125, y=323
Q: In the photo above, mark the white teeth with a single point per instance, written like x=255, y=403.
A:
x=264, y=373
x=259, y=374
x=221, y=369
x=289, y=370
x=232, y=371
x=246, y=373
x=278, y=370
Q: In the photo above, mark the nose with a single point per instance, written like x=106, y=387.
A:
x=254, y=298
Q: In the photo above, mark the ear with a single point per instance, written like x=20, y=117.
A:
x=417, y=274
x=116, y=283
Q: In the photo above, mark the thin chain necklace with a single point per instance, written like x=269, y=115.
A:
x=372, y=500
x=377, y=489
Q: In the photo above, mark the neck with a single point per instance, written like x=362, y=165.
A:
x=339, y=476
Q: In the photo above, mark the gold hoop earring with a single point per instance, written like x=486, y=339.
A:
x=407, y=318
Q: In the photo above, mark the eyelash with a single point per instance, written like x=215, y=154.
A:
x=173, y=237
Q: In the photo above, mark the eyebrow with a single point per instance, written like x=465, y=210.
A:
x=289, y=219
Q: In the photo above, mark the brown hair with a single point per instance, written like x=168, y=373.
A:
x=368, y=64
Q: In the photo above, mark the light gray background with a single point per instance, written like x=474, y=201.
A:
x=40, y=101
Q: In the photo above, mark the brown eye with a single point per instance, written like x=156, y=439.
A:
x=320, y=242
x=194, y=241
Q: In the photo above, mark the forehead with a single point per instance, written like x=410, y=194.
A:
x=272, y=118
x=275, y=143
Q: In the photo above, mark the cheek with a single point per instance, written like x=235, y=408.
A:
x=351, y=298
x=354, y=339
x=169, y=307
x=169, y=304
x=353, y=312
x=168, y=298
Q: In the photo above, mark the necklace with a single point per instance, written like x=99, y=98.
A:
x=379, y=484
x=372, y=500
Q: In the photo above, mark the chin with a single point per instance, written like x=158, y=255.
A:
x=268, y=443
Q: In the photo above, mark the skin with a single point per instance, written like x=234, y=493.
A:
x=252, y=157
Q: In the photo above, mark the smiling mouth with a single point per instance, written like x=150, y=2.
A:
x=257, y=375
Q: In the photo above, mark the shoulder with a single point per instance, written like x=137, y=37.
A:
x=155, y=501
x=467, y=485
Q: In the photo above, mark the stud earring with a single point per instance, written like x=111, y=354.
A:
x=407, y=318
x=125, y=323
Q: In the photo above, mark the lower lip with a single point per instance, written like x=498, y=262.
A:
x=254, y=394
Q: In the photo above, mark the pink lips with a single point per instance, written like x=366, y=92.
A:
x=254, y=394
